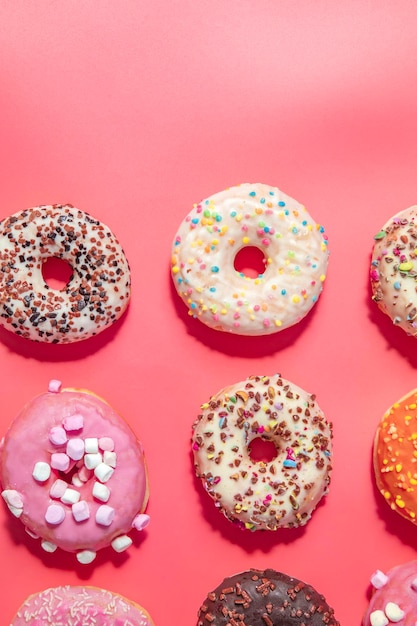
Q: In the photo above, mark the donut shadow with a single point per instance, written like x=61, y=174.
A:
x=396, y=338
x=67, y=561
x=250, y=541
x=58, y=352
x=232, y=344
x=394, y=523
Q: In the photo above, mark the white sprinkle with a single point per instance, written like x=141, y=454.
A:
x=121, y=543
x=101, y=492
x=86, y=556
x=103, y=472
x=41, y=471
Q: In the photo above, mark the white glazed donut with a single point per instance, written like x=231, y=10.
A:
x=281, y=493
x=249, y=215
x=394, y=269
x=96, y=295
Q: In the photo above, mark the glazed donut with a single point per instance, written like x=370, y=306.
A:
x=394, y=457
x=74, y=473
x=263, y=495
x=265, y=598
x=394, y=597
x=80, y=606
x=96, y=295
x=258, y=216
x=394, y=270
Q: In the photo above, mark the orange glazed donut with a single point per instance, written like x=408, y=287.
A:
x=283, y=492
x=97, y=293
x=80, y=606
x=249, y=216
x=74, y=473
x=395, y=456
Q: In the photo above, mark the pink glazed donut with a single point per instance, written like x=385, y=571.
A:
x=394, y=597
x=74, y=473
x=80, y=606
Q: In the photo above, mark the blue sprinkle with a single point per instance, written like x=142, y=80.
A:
x=283, y=292
x=195, y=220
x=286, y=212
x=289, y=463
x=295, y=230
x=193, y=305
x=266, y=229
x=281, y=203
x=233, y=214
x=304, y=222
x=215, y=269
x=271, y=193
x=252, y=193
x=262, y=200
x=397, y=285
x=322, y=229
x=218, y=218
x=212, y=289
x=314, y=298
x=221, y=422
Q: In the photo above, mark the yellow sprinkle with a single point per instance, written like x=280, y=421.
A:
x=398, y=468
x=399, y=502
x=412, y=406
x=239, y=217
x=296, y=299
x=210, y=456
x=322, y=278
x=406, y=267
x=249, y=526
x=175, y=269
x=309, y=227
x=387, y=495
x=223, y=311
x=205, y=405
x=278, y=323
x=245, y=240
x=215, y=242
x=273, y=423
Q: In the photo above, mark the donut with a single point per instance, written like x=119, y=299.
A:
x=97, y=293
x=263, y=495
x=394, y=597
x=265, y=598
x=80, y=606
x=249, y=216
x=394, y=269
x=73, y=472
x=394, y=456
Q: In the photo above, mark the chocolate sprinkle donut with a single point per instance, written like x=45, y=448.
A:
x=265, y=598
x=97, y=293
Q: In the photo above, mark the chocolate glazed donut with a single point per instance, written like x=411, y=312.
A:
x=265, y=598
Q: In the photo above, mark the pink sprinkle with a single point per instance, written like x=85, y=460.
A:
x=215, y=317
x=55, y=514
x=375, y=275
x=73, y=422
x=256, y=307
x=236, y=324
x=195, y=446
x=267, y=322
x=261, y=429
x=106, y=443
x=60, y=461
x=75, y=449
x=54, y=386
x=105, y=515
x=57, y=435
x=203, y=266
x=58, y=489
x=236, y=315
x=216, y=480
x=266, y=241
x=80, y=511
x=141, y=521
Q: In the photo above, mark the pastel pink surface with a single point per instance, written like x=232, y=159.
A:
x=135, y=111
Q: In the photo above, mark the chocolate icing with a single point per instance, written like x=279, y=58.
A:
x=265, y=598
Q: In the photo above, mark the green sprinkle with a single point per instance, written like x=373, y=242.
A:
x=380, y=235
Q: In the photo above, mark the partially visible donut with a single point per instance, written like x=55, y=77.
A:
x=217, y=229
x=394, y=597
x=265, y=598
x=283, y=492
x=80, y=606
x=394, y=269
x=73, y=472
x=394, y=456
x=96, y=295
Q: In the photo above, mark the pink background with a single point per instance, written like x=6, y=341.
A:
x=135, y=110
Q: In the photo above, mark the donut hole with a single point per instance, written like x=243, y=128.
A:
x=250, y=261
x=262, y=450
x=68, y=475
x=56, y=273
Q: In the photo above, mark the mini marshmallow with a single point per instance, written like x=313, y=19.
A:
x=75, y=449
x=86, y=556
x=106, y=443
x=105, y=515
x=109, y=458
x=80, y=511
x=31, y=533
x=84, y=474
x=60, y=461
x=48, y=546
x=58, y=489
x=379, y=579
x=73, y=422
x=76, y=481
x=103, y=472
x=92, y=460
x=91, y=445
x=101, y=492
x=41, y=471
x=12, y=498
x=71, y=496
x=54, y=386
x=141, y=521
x=54, y=514
x=121, y=543
x=58, y=435
x=393, y=612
